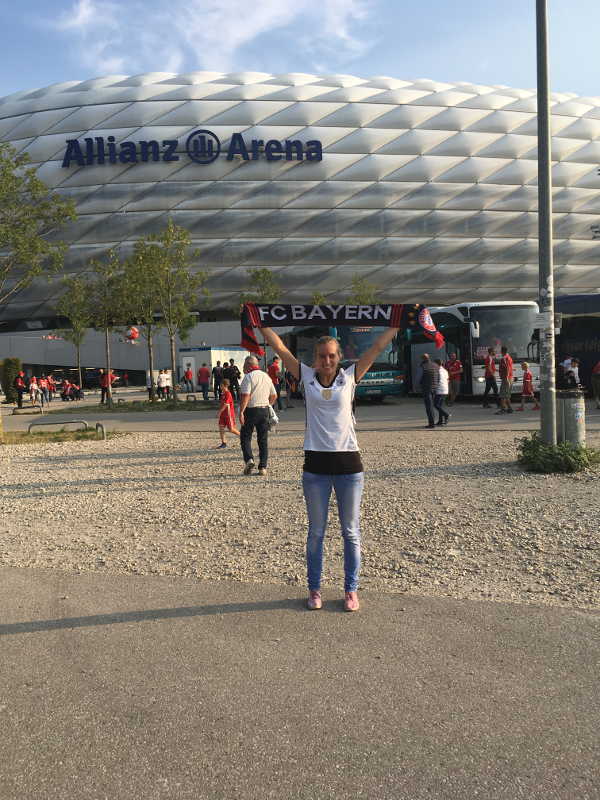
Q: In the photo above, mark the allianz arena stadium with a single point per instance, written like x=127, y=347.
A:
x=426, y=189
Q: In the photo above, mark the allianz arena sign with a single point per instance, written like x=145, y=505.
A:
x=202, y=146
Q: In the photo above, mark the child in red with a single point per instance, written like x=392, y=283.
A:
x=226, y=416
x=527, y=393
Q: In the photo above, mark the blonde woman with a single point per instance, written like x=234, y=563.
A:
x=331, y=456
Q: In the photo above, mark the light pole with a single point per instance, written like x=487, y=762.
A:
x=546, y=273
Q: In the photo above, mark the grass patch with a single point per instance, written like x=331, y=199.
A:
x=137, y=406
x=535, y=455
x=22, y=437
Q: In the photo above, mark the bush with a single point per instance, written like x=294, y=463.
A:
x=10, y=369
x=535, y=455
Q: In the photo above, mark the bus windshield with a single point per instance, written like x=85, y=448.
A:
x=511, y=326
x=355, y=340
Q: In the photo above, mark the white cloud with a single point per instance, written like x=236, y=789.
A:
x=149, y=35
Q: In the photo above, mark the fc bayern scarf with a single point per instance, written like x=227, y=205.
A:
x=413, y=317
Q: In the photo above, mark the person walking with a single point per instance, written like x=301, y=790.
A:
x=527, y=393
x=204, y=381
x=490, y=378
x=596, y=384
x=106, y=381
x=168, y=383
x=441, y=392
x=20, y=387
x=226, y=414
x=188, y=378
x=274, y=371
x=217, y=379
x=455, y=370
x=428, y=378
x=257, y=394
x=331, y=455
x=506, y=372
x=234, y=379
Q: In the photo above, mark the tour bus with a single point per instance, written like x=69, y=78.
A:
x=386, y=376
x=469, y=329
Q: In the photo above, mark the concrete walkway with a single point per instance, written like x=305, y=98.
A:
x=136, y=687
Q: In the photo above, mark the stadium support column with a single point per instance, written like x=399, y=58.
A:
x=546, y=272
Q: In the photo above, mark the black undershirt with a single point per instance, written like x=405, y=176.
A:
x=325, y=462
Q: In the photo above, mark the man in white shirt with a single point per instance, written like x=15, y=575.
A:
x=257, y=394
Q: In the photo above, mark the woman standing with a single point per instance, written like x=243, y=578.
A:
x=331, y=455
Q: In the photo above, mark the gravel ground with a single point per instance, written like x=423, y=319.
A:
x=444, y=513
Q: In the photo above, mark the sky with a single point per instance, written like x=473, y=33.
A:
x=489, y=42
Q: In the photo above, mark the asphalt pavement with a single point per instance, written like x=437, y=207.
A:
x=152, y=687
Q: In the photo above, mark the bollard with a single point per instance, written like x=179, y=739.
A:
x=570, y=416
x=100, y=431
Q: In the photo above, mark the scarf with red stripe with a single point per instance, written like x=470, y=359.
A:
x=412, y=316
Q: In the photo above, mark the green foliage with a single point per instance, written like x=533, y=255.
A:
x=10, y=369
x=178, y=290
x=318, y=298
x=362, y=291
x=106, y=293
x=29, y=213
x=75, y=305
x=263, y=287
x=537, y=456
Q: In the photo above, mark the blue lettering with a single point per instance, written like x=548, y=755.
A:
x=128, y=154
x=89, y=151
x=314, y=151
x=112, y=150
x=272, y=149
x=257, y=148
x=146, y=147
x=170, y=146
x=100, y=150
x=296, y=145
x=237, y=147
x=73, y=153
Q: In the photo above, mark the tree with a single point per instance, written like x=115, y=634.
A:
x=263, y=287
x=10, y=369
x=74, y=304
x=142, y=301
x=318, y=298
x=362, y=291
x=29, y=213
x=107, y=301
x=167, y=258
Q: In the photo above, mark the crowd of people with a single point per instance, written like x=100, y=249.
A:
x=45, y=389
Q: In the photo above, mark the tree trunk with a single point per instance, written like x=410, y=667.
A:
x=109, y=386
x=150, y=341
x=79, y=366
x=173, y=365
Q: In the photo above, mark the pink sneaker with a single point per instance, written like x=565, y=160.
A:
x=314, y=601
x=351, y=601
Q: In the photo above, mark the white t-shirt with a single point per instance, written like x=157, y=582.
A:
x=259, y=386
x=329, y=418
x=443, y=377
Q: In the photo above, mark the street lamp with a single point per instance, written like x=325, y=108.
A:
x=546, y=274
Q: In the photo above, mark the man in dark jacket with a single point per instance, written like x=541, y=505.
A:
x=428, y=379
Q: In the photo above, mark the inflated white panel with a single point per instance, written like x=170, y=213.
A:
x=427, y=188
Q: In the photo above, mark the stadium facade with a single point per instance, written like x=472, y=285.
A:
x=427, y=189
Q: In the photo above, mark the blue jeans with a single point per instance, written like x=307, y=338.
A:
x=348, y=492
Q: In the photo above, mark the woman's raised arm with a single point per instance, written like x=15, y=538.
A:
x=290, y=361
x=368, y=357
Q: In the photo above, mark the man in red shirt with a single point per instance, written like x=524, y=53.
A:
x=106, y=381
x=490, y=378
x=274, y=371
x=505, y=370
x=204, y=380
x=188, y=378
x=596, y=384
x=455, y=369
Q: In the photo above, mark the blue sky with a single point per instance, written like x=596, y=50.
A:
x=486, y=42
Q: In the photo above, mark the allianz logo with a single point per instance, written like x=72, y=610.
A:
x=201, y=146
